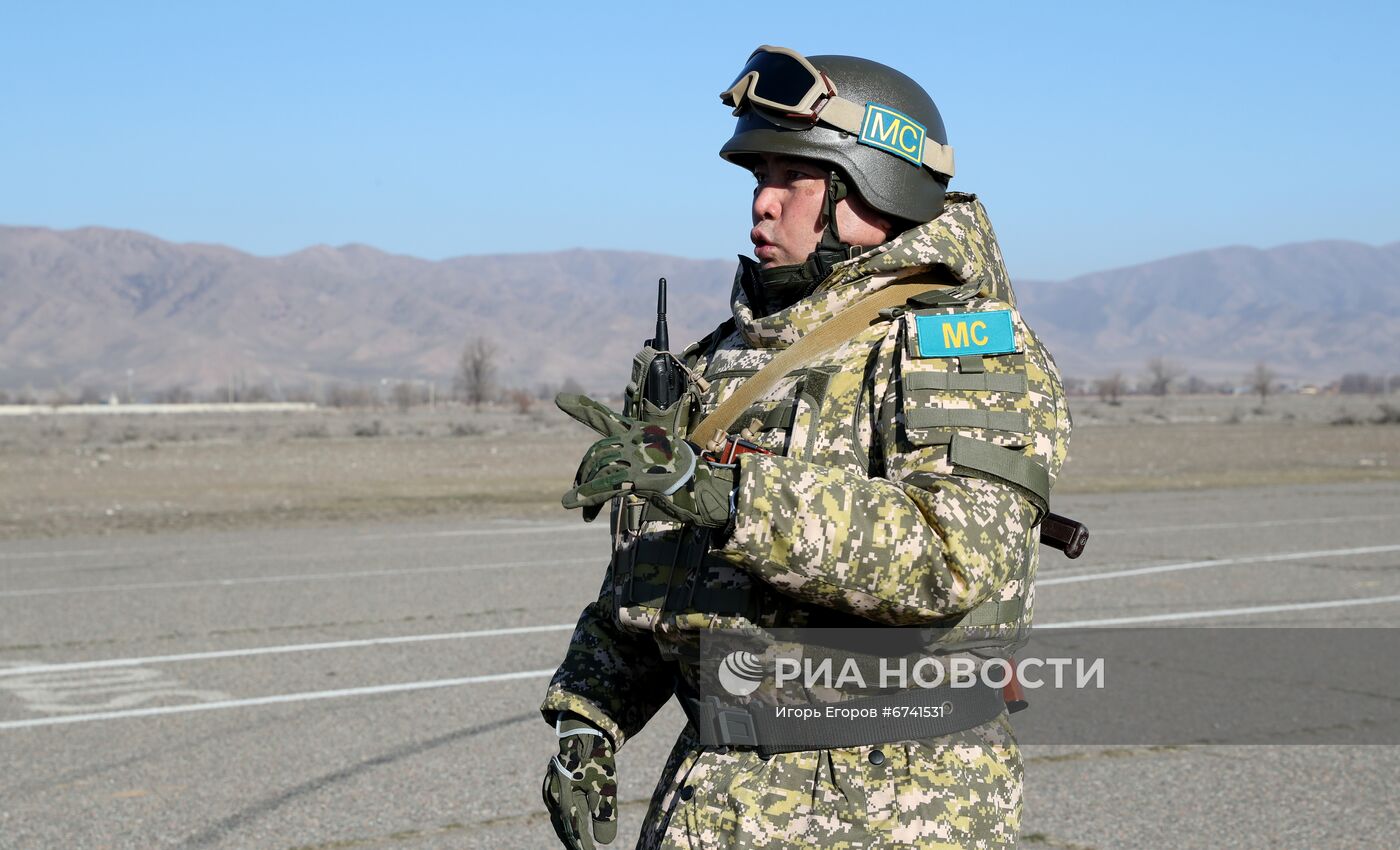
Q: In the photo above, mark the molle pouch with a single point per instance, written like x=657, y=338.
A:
x=655, y=567
x=667, y=575
x=676, y=417
x=1001, y=624
x=631, y=513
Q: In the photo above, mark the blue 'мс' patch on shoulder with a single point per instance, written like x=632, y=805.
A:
x=891, y=130
x=988, y=332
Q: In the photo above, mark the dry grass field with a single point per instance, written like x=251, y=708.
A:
x=64, y=475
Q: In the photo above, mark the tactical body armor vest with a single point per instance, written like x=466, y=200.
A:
x=910, y=466
x=896, y=402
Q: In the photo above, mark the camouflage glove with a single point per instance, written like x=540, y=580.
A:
x=648, y=461
x=581, y=780
x=601, y=418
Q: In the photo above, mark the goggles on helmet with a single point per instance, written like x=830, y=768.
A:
x=784, y=82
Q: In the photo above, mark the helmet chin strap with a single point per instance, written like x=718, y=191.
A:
x=782, y=286
x=831, y=236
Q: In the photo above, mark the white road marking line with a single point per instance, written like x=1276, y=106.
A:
x=273, y=700
x=474, y=532
x=1221, y=612
x=89, y=691
x=540, y=674
x=192, y=557
x=63, y=553
x=540, y=528
x=1100, y=575
x=582, y=528
x=311, y=647
x=1047, y=581
x=275, y=650
x=1267, y=523
x=232, y=582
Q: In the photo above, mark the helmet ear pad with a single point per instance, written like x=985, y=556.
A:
x=897, y=188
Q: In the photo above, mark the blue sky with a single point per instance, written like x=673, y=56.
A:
x=1098, y=134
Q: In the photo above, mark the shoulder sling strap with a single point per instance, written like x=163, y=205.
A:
x=710, y=433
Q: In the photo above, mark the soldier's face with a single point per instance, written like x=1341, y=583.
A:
x=788, y=198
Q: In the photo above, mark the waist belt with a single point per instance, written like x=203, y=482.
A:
x=757, y=726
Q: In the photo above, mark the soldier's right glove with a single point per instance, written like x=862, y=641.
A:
x=648, y=461
x=580, y=784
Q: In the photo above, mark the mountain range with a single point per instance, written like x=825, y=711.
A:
x=82, y=307
x=1312, y=310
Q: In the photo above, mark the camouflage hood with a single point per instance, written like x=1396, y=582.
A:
x=960, y=243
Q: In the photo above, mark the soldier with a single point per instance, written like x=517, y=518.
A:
x=902, y=474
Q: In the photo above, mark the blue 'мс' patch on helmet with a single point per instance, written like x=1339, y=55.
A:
x=893, y=131
x=957, y=334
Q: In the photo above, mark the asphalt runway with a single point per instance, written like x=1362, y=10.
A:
x=377, y=687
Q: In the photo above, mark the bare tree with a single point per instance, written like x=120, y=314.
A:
x=1196, y=385
x=1110, y=389
x=343, y=395
x=476, y=371
x=1354, y=383
x=175, y=394
x=302, y=393
x=405, y=395
x=522, y=400
x=1160, y=375
x=1261, y=381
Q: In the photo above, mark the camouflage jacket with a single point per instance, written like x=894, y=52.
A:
x=876, y=506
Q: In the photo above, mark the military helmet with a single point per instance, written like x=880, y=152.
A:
x=878, y=126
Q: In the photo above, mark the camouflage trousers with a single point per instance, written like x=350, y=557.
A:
x=960, y=790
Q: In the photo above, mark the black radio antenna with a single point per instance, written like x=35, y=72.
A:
x=662, y=341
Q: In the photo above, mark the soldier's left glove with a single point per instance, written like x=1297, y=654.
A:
x=650, y=462
x=580, y=784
